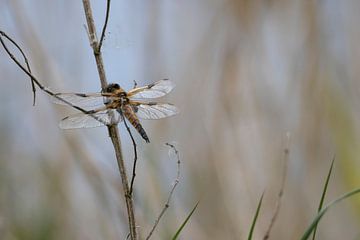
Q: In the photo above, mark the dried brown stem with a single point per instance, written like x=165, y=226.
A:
x=135, y=158
x=282, y=186
x=34, y=80
x=17, y=62
x=25, y=59
x=105, y=25
x=113, y=130
x=176, y=182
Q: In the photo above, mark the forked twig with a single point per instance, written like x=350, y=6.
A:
x=285, y=159
x=105, y=25
x=113, y=130
x=176, y=182
x=135, y=158
x=34, y=80
x=25, y=59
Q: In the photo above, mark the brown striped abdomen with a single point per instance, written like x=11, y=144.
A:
x=134, y=120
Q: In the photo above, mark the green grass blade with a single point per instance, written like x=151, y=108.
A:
x=324, y=210
x=323, y=194
x=255, y=218
x=184, y=223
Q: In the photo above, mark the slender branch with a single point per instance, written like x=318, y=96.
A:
x=25, y=59
x=94, y=42
x=135, y=158
x=176, y=182
x=34, y=80
x=282, y=186
x=105, y=25
x=113, y=130
x=28, y=70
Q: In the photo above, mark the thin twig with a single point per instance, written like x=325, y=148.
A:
x=113, y=130
x=34, y=80
x=26, y=62
x=135, y=158
x=43, y=88
x=105, y=25
x=282, y=186
x=176, y=182
x=28, y=70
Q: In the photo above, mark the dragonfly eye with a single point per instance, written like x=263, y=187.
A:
x=112, y=87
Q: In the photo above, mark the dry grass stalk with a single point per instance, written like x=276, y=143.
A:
x=176, y=182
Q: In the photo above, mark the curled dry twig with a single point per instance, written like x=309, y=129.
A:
x=282, y=186
x=176, y=182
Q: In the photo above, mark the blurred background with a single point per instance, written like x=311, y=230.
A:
x=253, y=78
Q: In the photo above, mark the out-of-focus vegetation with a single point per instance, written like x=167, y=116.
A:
x=247, y=74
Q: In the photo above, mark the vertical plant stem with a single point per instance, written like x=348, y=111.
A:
x=286, y=154
x=167, y=204
x=113, y=130
x=94, y=42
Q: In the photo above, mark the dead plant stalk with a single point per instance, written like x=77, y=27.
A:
x=113, y=130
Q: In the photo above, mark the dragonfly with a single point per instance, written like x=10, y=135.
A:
x=113, y=104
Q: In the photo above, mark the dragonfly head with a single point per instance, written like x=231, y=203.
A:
x=112, y=87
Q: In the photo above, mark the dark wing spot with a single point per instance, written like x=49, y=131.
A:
x=81, y=94
x=152, y=103
x=150, y=85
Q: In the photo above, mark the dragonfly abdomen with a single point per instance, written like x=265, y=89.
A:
x=133, y=119
x=142, y=132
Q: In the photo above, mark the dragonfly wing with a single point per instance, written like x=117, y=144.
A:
x=154, y=90
x=86, y=101
x=97, y=119
x=155, y=110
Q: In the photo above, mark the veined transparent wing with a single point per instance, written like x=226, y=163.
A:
x=86, y=101
x=96, y=119
x=154, y=90
x=154, y=110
